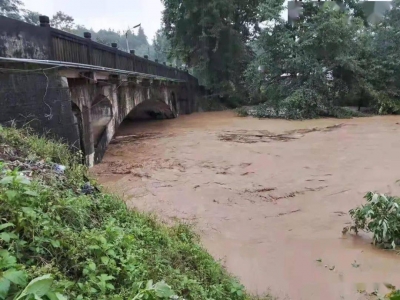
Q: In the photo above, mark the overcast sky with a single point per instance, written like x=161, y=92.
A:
x=104, y=14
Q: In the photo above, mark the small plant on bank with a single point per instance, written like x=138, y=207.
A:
x=242, y=112
x=381, y=216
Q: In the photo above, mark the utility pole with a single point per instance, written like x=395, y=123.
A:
x=126, y=36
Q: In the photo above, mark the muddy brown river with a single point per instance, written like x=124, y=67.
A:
x=268, y=197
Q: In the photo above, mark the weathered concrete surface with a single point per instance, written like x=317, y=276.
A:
x=39, y=100
x=21, y=41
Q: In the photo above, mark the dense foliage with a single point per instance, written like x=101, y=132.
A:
x=58, y=240
x=212, y=37
x=330, y=57
x=336, y=53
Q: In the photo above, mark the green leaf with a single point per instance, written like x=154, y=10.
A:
x=5, y=237
x=93, y=247
x=23, y=180
x=105, y=260
x=4, y=287
x=7, y=180
x=31, y=193
x=92, y=266
x=11, y=194
x=149, y=285
x=55, y=243
x=105, y=277
x=56, y=296
x=163, y=290
x=17, y=277
x=39, y=286
x=395, y=297
x=7, y=260
x=28, y=210
x=6, y=225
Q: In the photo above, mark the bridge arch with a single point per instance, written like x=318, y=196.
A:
x=160, y=103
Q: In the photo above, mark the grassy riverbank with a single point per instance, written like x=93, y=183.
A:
x=60, y=237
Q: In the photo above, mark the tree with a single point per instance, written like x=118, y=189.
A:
x=141, y=37
x=211, y=37
x=31, y=17
x=62, y=21
x=10, y=8
x=162, y=47
x=383, y=64
x=311, y=65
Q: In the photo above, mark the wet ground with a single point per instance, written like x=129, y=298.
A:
x=268, y=197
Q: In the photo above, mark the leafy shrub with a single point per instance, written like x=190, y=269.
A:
x=242, y=112
x=381, y=216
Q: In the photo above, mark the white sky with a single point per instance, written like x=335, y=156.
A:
x=104, y=14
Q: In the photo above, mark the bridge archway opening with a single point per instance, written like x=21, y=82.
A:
x=151, y=110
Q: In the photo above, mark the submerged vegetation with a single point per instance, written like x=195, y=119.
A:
x=381, y=216
x=61, y=238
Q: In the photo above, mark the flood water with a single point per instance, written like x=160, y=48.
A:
x=268, y=197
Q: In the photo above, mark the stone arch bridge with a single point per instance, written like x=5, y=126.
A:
x=80, y=90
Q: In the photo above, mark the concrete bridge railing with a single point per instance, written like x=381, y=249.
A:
x=22, y=40
x=80, y=90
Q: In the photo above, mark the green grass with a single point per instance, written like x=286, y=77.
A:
x=58, y=242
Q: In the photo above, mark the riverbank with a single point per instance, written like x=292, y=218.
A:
x=62, y=238
x=269, y=197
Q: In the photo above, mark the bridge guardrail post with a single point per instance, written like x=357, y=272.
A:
x=45, y=24
x=146, y=64
x=88, y=37
x=132, y=52
x=115, y=46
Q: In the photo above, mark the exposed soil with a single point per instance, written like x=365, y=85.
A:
x=269, y=197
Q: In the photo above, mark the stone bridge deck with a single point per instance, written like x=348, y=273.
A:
x=80, y=90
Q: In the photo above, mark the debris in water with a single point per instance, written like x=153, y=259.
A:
x=319, y=260
x=332, y=268
x=355, y=264
x=389, y=286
